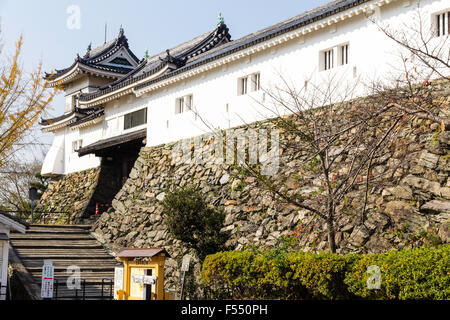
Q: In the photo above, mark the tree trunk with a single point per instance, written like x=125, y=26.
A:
x=331, y=237
x=330, y=225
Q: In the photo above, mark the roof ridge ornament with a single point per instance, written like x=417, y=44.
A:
x=121, y=38
x=88, y=51
x=220, y=19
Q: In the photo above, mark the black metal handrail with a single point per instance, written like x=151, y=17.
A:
x=80, y=294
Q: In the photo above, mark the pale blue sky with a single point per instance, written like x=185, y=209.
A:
x=152, y=25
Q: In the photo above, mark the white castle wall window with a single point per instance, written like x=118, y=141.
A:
x=442, y=24
x=135, y=119
x=255, y=81
x=76, y=145
x=343, y=54
x=328, y=59
x=243, y=84
x=334, y=57
x=183, y=104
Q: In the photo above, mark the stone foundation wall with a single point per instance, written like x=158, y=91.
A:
x=410, y=204
x=67, y=197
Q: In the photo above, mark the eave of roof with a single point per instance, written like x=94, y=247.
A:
x=181, y=54
x=51, y=121
x=111, y=142
x=142, y=253
x=80, y=67
x=262, y=36
x=90, y=119
x=232, y=47
x=71, y=119
x=15, y=219
x=92, y=59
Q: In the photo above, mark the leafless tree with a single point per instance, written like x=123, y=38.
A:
x=327, y=137
x=332, y=140
x=15, y=181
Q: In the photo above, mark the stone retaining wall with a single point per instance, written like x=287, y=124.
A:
x=409, y=206
x=67, y=197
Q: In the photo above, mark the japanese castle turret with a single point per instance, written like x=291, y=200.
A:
x=116, y=103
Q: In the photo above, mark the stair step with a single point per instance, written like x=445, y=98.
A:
x=61, y=226
x=67, y=246
x=55, y=243
x=43, y=236
x=59, y=252
x=57, y=232
x=61, y=269
x=64, y=263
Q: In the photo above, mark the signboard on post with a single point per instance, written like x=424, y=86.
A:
x=118, y=281
x=184, y=269
x=185, y=264
x=48, y=274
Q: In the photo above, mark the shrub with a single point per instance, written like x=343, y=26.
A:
x=248, y=275
x=191, y=220
x=420, y=273
x=276, y=275
x=322, y=274
x=409, y=274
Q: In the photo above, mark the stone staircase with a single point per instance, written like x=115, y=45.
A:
x=70, y=245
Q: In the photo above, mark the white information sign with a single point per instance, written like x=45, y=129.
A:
x=185, y=264
x=48, y=273
x=142, y=279
x=118, y=281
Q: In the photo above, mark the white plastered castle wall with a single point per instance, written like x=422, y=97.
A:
x=372, y=57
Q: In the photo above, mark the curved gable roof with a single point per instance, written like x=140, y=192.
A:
x=94, y=57
x=207, y=53
x=177, y=57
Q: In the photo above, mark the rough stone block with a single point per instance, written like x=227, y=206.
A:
x=436, y=206
x=428, y=160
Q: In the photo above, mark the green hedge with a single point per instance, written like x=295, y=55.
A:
x=421, y=273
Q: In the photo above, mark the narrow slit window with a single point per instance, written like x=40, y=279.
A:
x=344, y=54
x=256, y=81
x=242, y=86
x=179, y=106
x=329, y=59
x=188, y=103
x=184, y=104
x=442, y=24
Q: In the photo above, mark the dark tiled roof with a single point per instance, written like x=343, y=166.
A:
x=100, y=52
x=20, y=221
x=178, y=55
x=263, y=35
x=97, y=113
x=94, y=56
x=152, y=66
x=47, y=122
x=111, y=142
x=81, y=114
